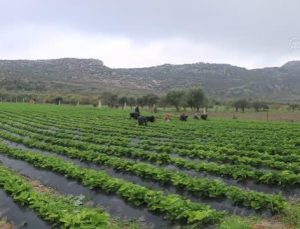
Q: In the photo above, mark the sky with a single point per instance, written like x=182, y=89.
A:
x=140, y=33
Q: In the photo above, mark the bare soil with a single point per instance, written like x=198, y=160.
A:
x=272, y=223
x=40, y=187
x=5, y=225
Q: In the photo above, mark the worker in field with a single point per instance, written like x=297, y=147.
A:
x=183, y=117
x=204, y=114
x=137, y=109
x=167, y=117
x=196, y=116
x=142, y=121
x=135, y=114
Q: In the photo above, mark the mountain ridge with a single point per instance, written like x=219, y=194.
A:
x=91, y=76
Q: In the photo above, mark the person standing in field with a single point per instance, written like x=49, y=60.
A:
x=137, y=109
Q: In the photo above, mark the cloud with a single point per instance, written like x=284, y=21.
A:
x=135, y=33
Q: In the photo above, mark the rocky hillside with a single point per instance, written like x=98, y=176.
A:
x=90, y=76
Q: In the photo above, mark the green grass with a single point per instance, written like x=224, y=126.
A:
x=291, y=216
x=236, y=222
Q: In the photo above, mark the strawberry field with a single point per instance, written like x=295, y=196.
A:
x=96, y=168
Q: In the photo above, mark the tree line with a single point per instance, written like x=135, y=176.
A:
x=193, y=98
x=242, y=104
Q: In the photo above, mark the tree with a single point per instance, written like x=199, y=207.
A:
x=110, y=99
x=141, y=101
x=241, y=104
x=174, y=98
x=151, y=100
x=58, y=100
x=258, y=105
x=163, y=102
x=293, y=107
x=195, y=98
x=131, y=102
x=123, y=101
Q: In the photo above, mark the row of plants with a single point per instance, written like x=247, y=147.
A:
x=104, y=122
x=58, y=210
x=217, y=139
x=259, y=131
x=173, y=207
x=237, y=172
x=201, y=187
x=185, y=145
x=171, y=146
x=150, y=144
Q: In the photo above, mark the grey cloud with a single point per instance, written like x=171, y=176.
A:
x=252, y=27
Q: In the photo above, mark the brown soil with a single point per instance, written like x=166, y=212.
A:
x=40, y=187
x=272, y=223
x=5, y=225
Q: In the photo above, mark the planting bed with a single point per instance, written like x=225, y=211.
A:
x=176, y=174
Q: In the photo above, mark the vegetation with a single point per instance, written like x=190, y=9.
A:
x=241, y=104
x=56, y=209
x=197, y=168
x=258, y=106
x=223, y=82
x=193, y=99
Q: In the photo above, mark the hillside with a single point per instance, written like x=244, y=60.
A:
x=90, y=76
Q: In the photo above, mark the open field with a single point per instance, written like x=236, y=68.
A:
x=195, y=174
x=286, y=116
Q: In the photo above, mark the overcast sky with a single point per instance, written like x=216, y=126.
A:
x=136, y=33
